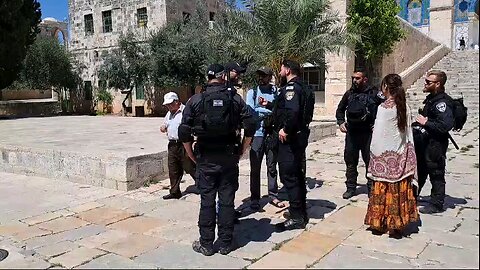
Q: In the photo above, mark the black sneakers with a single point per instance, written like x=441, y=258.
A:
x=349, y=194
x=197, y=247
x=225, y=250
x=291, y=224
x=431, y=209
x=172, y=196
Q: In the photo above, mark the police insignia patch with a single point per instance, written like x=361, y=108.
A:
x=380, y=95
x=218, y=103
x=290, y=87
x=441, y=107
x=289, y=95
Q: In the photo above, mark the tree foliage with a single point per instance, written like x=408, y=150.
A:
x=48, y=65
x=181, y=51
x=19, y=21
x=269, y=31
x=126, y=66
x=376, y=22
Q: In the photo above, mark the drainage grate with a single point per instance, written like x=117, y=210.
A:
x=3, y=254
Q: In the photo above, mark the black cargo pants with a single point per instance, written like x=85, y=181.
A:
x=217, y=172
x=431, y=161
x=356, y=141
x=290, y=163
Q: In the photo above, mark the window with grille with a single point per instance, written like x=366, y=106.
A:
x=88, y=20
x=142, y=17
x=107, y=21
x=140, y=91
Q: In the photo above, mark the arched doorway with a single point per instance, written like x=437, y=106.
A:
x=61, y=37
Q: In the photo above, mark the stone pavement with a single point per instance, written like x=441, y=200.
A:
x=57, y=224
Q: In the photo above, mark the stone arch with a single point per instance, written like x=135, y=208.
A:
x=59, y=31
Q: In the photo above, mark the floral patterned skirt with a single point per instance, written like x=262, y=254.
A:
x=392, y=206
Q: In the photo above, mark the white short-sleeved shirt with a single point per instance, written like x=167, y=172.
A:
x=172, y=122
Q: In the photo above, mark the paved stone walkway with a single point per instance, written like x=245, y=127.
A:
x=55, y=224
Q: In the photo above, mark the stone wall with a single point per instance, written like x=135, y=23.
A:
x=90, y=49
x=340, y=68
x=29, y=108
x=409, y=55
x=120, y=172
x=25, y=94
x=441, y=21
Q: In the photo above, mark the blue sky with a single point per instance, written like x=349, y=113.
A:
x=57, y=9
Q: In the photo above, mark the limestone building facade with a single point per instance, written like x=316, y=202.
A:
x=96, y=26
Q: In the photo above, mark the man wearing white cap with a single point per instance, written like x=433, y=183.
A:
x=178, y=161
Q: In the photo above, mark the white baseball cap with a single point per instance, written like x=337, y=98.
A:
x=169, y=98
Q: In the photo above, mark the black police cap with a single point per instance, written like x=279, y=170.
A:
x=215, y=70
x=235, y=66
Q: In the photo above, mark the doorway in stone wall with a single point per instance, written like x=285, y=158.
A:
x=314, y=76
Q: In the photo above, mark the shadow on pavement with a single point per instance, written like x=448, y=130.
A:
x=450, y=202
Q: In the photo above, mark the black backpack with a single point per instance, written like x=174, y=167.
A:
x=357, y=108
x=460, y=113
x=216, y=117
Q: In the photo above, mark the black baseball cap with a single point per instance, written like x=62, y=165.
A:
x=265, y=70
x=235, y=66
x=215, y=71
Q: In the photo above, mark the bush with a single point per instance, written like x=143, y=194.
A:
x=105, y=97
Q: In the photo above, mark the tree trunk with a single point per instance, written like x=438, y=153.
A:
x=60, y=98
x=124, y=106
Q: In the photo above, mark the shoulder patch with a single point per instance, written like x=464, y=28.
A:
x=441, y=107
x=289, y=95
x=380, y=95
x=291, y=87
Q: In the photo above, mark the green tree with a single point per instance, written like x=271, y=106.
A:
x=105, y=97
x=269, y=31
x=378, y=26
x=127, y=67
x=19, y=21
x=181, y=51
x=48, y=65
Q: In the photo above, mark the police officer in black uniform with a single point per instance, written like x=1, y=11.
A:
x=431, y=139
x=234, y=70
x=214, y=116
x=293, y=133
x=360, y=104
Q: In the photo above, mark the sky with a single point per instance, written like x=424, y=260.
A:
x=57, y=9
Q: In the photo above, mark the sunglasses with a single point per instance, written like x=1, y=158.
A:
x=428, y=82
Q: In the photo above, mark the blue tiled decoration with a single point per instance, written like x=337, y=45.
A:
x=415, y=11
x=463, y=7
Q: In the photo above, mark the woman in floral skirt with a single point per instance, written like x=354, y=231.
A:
x=393, y=164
